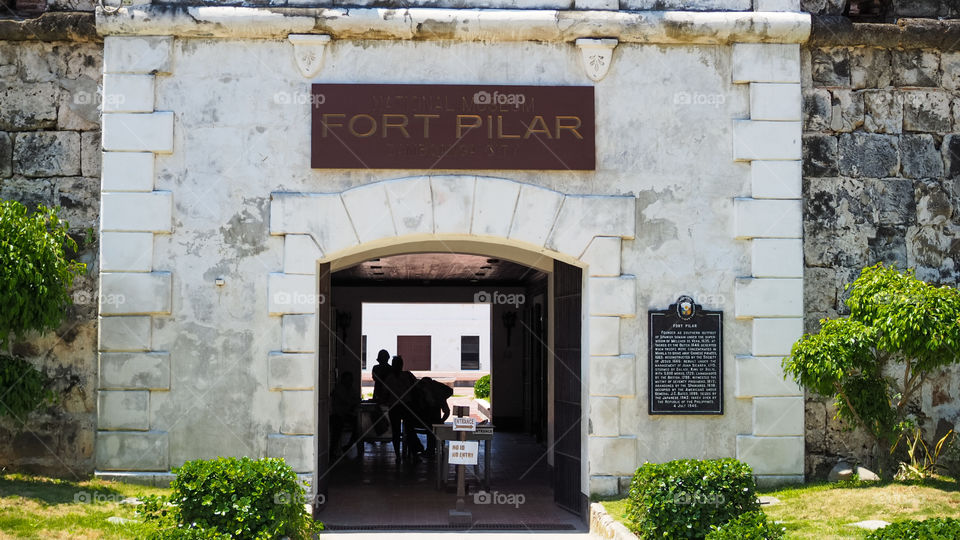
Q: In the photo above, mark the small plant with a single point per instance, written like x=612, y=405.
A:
x=928, y=529
x=686, y=497
x=24, y=388
x=238, y=497
x=923, y=462
x=749, y=526
x=481, y=388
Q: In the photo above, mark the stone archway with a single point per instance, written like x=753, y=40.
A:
x=494, y=216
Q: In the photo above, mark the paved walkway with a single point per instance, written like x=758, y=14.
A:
x=473, y=536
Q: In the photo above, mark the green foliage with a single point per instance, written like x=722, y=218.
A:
x=35, y=273
x=23, y=387
x=748, y=526
x=895, y=320
x=928, y=529
x=187, y=533
x=923, y=462
x=238, y=497
x=481, y=388
x=684, y=498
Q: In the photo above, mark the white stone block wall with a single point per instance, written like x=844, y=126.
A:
x=133, y=288
x=771, y=220
x=588, y=229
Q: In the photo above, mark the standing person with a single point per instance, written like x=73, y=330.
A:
x=381, y=372
x=399, y=390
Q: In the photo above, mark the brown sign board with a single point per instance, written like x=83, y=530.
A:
x=435, y=126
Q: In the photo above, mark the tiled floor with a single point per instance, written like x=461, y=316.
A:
x=375, y=494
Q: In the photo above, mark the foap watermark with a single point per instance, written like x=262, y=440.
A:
x=98, y=98
x=95, y=497
x=299, y=98
x=696, y=98
x=284, y=298
x=82, y=298
x=496, y=98
x=495, y=497
x=699, y=497
x=285, y=497
x=496, y=297
x=704, y=299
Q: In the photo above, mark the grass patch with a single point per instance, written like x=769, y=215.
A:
x=823, y=510
x=41, y=507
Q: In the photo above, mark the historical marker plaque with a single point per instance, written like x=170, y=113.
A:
x=686, y=359
x=451, y=126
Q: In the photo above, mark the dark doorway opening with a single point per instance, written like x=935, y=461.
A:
x=535, y=481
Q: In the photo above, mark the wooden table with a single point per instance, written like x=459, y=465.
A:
x=444, y=433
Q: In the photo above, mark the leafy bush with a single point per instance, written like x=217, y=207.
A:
x=481, y=388
x=749, y=526
x=683, y=498
x=928, y=529
x=238, y=497
x=187, y=533
x=24, y=388
x=35, y=273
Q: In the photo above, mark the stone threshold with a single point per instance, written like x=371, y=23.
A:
x=604, y=526
x=437, y=24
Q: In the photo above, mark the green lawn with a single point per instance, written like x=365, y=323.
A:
x=821, y=511
x=40, y=507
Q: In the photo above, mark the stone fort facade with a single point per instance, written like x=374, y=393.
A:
x=753, y=153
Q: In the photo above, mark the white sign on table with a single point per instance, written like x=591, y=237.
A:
x=464, y=452
x=464, y=423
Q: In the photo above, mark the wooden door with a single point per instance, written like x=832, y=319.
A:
x=415, y=351
x=327, y=339
x=567, y=301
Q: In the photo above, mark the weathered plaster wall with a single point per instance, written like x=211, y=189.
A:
x=240, y=133
x=881, y=183
x=50, y=154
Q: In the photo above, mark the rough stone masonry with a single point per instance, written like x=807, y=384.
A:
x=50, y=155
x=881, y=151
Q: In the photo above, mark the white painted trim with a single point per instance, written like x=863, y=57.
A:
x=490, y=25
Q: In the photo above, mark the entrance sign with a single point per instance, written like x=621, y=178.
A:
x=464, y=452
x=686, y=359
x=437, y=126
x=464, y=423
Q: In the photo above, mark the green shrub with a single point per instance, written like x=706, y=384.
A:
x=24, y=388
x=749, y=526
x=683, y=498
x=239, y=497
x=187, y=533
x=481, y=388
x=928, y=529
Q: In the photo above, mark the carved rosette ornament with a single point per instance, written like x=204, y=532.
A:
x=597, y=55
x=308, y=52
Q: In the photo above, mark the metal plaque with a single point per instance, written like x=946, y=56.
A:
x=686, y=359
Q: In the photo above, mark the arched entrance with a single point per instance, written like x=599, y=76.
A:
x=523, y=223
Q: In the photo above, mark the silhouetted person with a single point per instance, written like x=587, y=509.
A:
x=381, y=372
x=431, y=407
x=344, y=402
x=399, y=389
